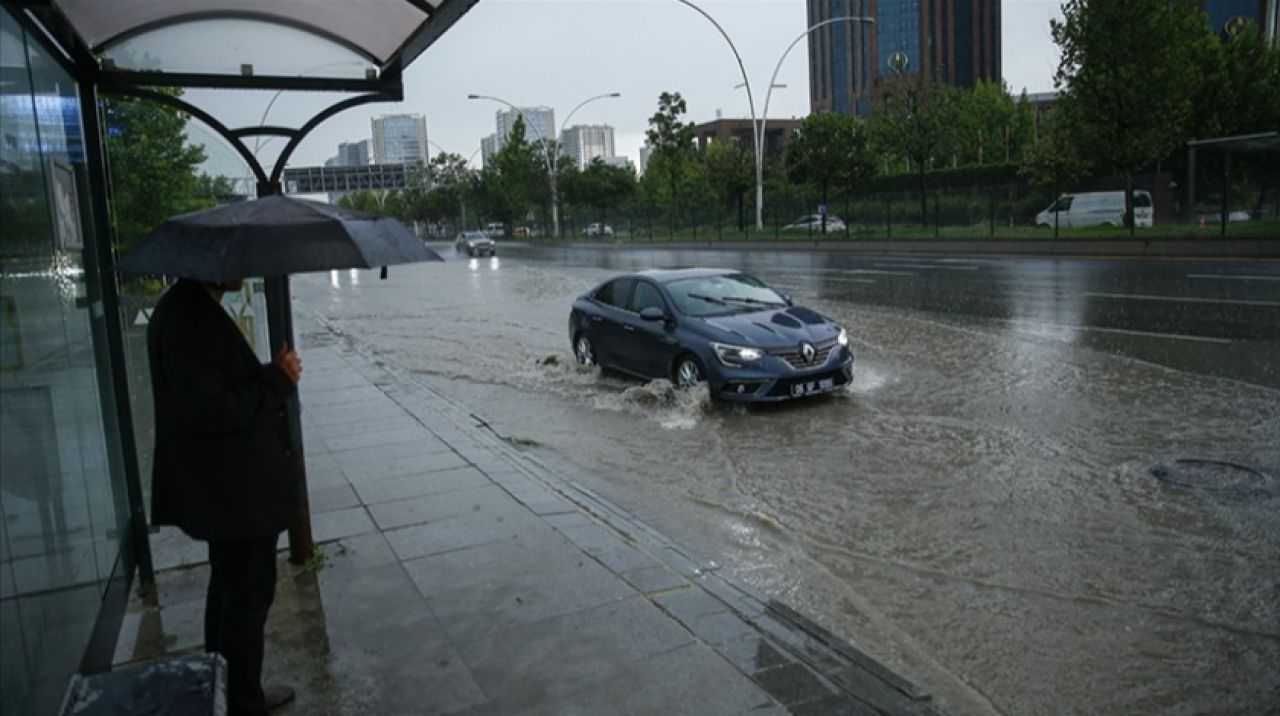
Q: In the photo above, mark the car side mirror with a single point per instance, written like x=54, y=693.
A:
x=653, y=313
x=786, y=297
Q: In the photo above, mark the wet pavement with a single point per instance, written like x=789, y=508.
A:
x=459, y=575
x=979, y=513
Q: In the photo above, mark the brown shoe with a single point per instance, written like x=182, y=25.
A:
x=273, y=697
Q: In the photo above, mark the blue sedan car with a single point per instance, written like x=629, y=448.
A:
x=727, y=328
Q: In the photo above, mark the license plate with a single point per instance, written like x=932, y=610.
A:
x=812, y=386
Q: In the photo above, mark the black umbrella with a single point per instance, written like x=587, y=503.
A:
x=272, y=236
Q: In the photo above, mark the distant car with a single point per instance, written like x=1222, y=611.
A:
x=475, y=243
x=495, y=229
x=1096, y=208
x=727, y=328
x=522, y=232
x=598, y=230
x=813, y=222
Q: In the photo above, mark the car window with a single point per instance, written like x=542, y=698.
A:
x=1142, y=200
x=1064, y=203
x=646, y=295
x=615, y=293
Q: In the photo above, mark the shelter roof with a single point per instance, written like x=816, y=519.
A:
x=1263, y=142
x=237, y=40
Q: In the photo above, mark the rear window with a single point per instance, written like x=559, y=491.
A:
x=1142, y=201
x=615, y=292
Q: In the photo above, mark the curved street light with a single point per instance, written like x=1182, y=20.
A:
x=751, y=103
x=764, y=116
x=550, y=148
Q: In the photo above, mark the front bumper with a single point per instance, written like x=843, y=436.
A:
x=774, y=381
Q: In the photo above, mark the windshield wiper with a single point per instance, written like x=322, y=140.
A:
x=752, y=301
x=708, y=299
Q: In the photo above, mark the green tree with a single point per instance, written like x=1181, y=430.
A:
x=829, y=149
x=1054, y=161
x=151, y=166
x=600, y=186
x=730, y=170
x=916, y=120
x=513, y=180
x=448, y=178
x=1128, y=76
x=672, y=142
x=991, y=124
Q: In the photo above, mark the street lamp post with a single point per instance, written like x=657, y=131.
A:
x=758, y=126
x=764, y=116
x=751, y=104
x=551, y=150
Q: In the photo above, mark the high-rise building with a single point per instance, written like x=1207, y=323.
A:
x=645, y=151
x=585, y=142
x=353, y=154
x=539, y=123
x=954, y=41
x=400, y=139
x=488, y=148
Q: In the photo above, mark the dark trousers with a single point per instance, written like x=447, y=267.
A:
x=241, y=588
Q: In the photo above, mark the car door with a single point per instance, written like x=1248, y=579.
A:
x=606, y=332
x=650, y=345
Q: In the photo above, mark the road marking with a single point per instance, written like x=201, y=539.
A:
x=1123, y=331
x=948, y=267
x=1185, y=299
x=1233, y=277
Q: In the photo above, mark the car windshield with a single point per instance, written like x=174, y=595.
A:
x=722, y=294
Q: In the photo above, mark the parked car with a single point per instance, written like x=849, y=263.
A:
x=496, y=228
x=813, y=222
x=727, y=328
x=476, y=243
x=1097, y=208
x=598, y=230
x=523, y=232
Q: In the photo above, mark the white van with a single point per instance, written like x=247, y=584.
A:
x=496, y=228
x=1097, y=208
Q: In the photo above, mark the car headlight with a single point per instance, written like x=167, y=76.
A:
x=843, y=338
x=736, y=355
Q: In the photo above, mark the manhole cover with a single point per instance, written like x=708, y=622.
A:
x=1212, y=475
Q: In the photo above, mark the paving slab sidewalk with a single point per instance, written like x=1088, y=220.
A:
x=459, y=575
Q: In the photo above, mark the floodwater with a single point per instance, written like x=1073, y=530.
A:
x=979, y=511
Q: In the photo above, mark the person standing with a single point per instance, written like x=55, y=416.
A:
x=224, y=470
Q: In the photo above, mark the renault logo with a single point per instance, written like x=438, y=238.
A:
x=808, y=352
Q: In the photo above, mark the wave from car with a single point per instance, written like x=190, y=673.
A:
x=723, y=327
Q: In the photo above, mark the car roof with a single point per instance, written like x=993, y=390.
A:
x=669, y=275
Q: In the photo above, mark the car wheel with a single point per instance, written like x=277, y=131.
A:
x=688, y=372
x=583, y=351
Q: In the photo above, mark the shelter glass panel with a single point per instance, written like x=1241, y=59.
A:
x=62, y=498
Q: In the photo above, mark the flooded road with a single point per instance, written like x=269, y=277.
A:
x=979, y=511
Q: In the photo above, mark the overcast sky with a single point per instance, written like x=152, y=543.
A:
x=560, y=52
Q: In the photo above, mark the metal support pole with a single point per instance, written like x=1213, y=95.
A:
x=280, y=332
x=1226, y=187
x=1189, y=213
x=100, y=250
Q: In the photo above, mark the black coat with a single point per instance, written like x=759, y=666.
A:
x=225, y=466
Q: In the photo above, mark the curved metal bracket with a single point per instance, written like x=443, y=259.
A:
x=278, y=170
x=200, y=114
x=264, y=130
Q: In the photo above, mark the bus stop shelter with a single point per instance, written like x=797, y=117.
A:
x=220, y=54
x=1263, y=144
